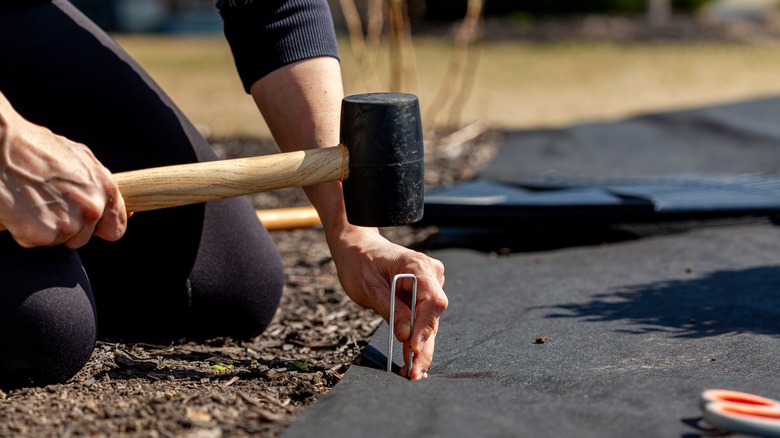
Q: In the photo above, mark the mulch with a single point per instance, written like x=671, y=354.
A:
x=223, y=387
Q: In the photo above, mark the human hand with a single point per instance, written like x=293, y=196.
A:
x=54, y=190
x=367, y=263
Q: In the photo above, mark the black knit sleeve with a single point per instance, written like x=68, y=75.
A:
x=267, y=34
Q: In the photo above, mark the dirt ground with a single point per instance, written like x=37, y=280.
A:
x=224, y=388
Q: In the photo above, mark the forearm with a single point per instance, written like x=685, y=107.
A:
x=301, y=103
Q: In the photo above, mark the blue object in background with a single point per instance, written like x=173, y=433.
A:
x=153, y=16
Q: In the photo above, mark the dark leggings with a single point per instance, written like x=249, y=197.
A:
x=195, y=272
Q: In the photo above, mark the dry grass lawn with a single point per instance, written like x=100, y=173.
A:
x=514, y=84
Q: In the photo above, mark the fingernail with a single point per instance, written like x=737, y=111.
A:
x=405, y=331
x=425, y=375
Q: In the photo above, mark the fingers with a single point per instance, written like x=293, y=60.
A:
x=72, y=219
x=99, y=210
x=421, y=361
x=402, y=327
x=53, y=232
x=80, y=238
x=431, y=303
x=96, y=218
x=427, y=320
x=111, y=226
x=113, y=222
x=429, y=308
x=77, y=229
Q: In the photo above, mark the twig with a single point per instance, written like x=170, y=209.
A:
x=232, y=380
x=452, y=144
x=373, y=39
x=354, y=28
x=468, y=33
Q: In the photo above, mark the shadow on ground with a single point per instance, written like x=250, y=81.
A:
x=724, y=302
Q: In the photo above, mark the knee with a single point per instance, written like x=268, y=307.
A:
x=240, y=307
x=46, y=337
x=253, y=310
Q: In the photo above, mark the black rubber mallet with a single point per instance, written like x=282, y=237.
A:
x=380, y=161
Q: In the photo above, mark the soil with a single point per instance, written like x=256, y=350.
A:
x=222, y=387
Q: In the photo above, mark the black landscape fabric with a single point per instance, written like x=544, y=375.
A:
x=699, y=163
x=593, y=340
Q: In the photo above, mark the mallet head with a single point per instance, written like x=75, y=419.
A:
x=383, y=133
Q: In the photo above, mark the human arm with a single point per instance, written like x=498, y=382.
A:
x=301, y=103
x=53, y=190
x=287, y=57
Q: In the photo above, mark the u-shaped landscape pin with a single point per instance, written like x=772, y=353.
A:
x=391, y=320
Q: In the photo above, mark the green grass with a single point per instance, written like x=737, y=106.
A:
x=515, y=85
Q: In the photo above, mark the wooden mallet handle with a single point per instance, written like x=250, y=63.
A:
x=171, y=186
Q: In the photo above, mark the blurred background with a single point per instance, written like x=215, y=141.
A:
x=489, y=64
